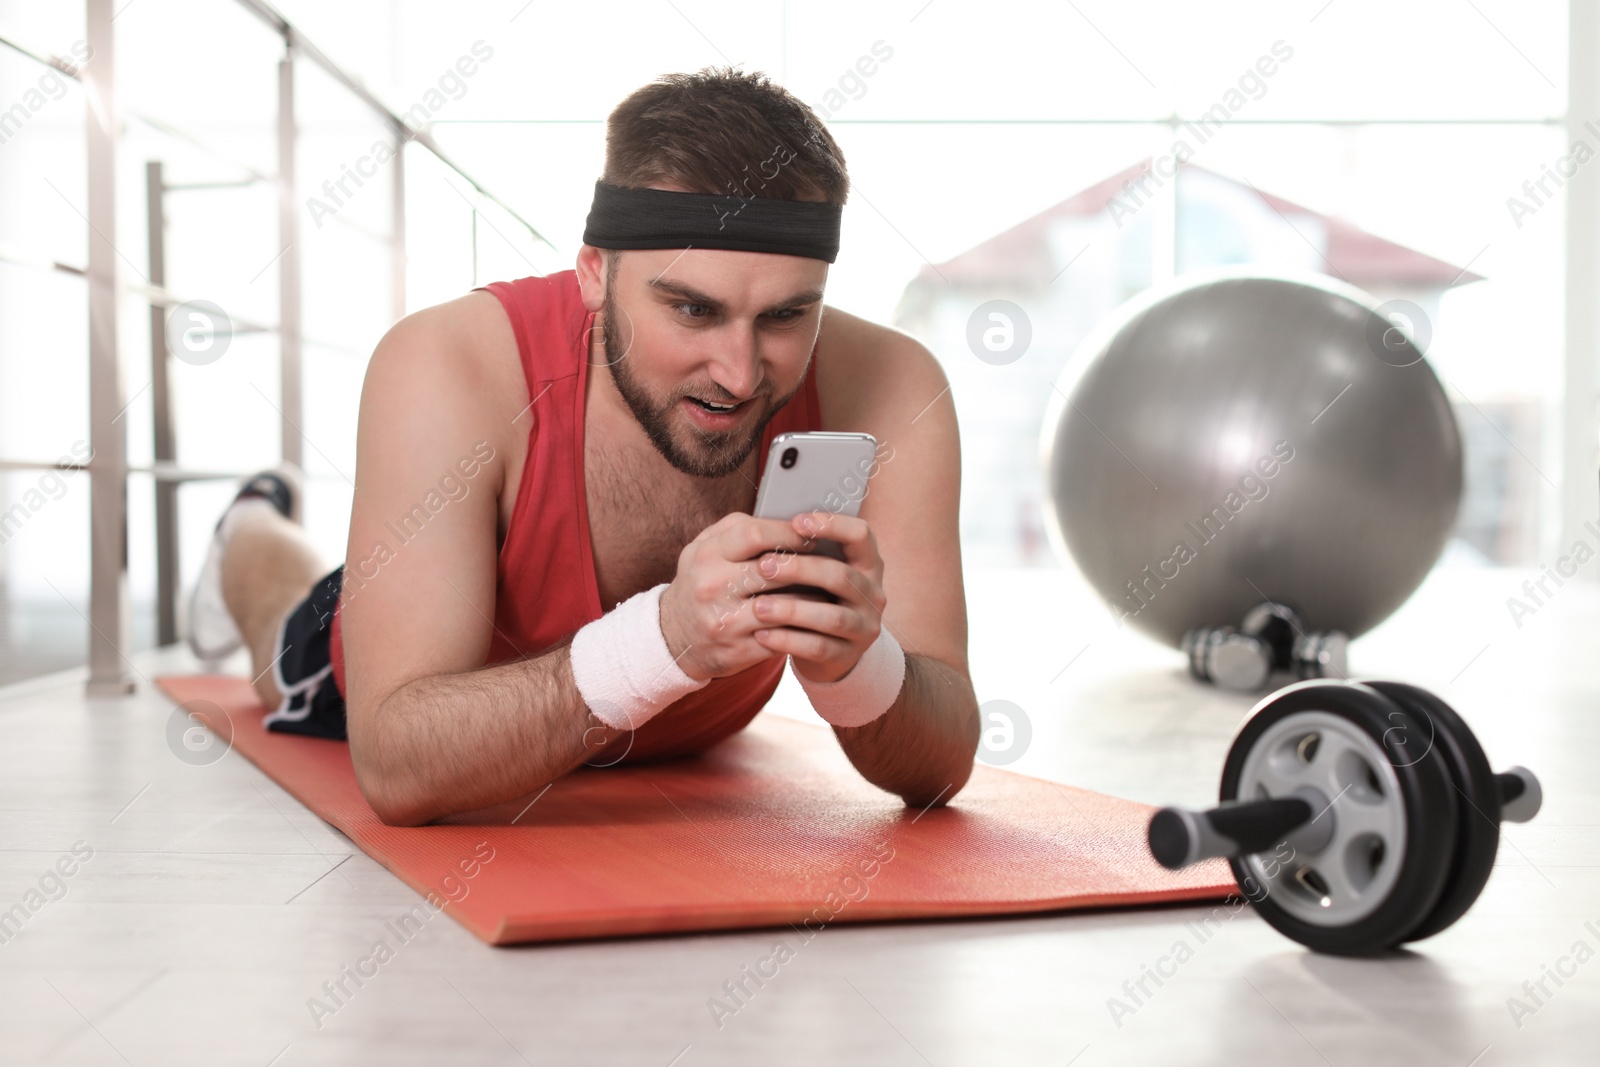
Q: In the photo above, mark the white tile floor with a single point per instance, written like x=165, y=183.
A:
x=214, y=905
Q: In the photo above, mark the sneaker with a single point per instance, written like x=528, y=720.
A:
x=212, y=633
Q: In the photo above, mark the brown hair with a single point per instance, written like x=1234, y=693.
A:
x=724, y=131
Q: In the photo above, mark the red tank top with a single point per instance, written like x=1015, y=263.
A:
x=546, y=588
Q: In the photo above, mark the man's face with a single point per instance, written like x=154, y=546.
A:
x=713, y=326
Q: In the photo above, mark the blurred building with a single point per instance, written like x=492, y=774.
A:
x=1070, y=266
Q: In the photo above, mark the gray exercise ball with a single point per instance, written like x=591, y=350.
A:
x=1237, y=438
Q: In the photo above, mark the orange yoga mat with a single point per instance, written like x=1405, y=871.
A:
x=772, y=827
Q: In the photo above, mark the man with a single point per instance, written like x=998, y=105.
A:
x=552, y=559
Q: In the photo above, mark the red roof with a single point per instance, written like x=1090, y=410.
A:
x=1024, y=253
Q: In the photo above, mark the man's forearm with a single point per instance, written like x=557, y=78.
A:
x=458, y=742
x=921, y=749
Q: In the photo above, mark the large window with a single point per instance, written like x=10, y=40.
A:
x=44, y=527
x=1376, y=141
x=1414, y=149
x=199, y=88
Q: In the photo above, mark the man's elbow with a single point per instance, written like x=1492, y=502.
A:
x=951, y=775
x=940, y=789
x=393, y=799
x=391, y=803
x=922, y=798
x=401, y=814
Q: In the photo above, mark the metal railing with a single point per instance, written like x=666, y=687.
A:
x=109, y=619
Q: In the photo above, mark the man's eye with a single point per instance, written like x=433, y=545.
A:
x=786, y=315
x=693, y=311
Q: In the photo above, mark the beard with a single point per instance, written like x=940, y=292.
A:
x=707, y=453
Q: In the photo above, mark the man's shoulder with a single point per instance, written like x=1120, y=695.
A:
x=477, y=325
x=459, y=352
x=869, y=373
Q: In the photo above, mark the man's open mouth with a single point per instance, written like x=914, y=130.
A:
x=719, y=409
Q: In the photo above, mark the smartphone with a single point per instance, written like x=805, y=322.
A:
x=816, y=471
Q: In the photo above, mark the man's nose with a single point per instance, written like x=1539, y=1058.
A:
x=736, y=365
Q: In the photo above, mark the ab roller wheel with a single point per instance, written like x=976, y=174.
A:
x=1355, y=816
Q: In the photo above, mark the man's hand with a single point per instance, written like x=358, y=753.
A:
x=708, y=615
x=825, y=639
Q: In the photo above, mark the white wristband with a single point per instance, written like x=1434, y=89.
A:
x=867, y=690
x=622, y=667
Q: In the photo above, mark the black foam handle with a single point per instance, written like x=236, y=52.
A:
x=1179, y=838
x=1260, y=824
x=1511, y=787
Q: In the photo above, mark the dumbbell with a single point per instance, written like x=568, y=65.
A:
x=1356, y=816
x=1276, y=626
x=1270, y=638
x=1227, y=658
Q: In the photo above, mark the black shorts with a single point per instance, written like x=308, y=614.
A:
x=312, y=704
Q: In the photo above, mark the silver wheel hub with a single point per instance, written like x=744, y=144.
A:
x=1338, y=874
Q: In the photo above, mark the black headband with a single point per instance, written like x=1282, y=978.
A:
x=624, y=218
